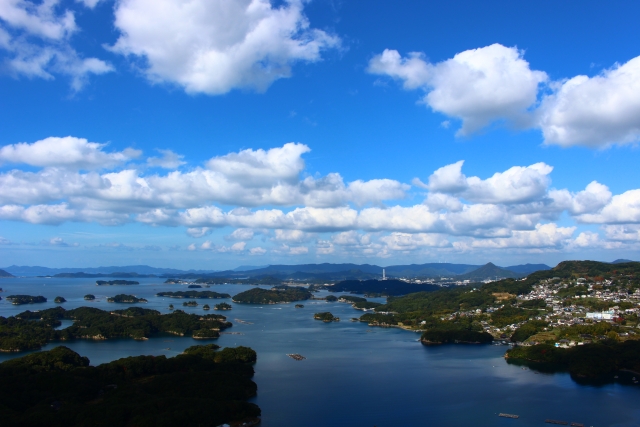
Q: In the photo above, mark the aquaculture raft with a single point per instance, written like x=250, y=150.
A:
x=296, y=356
x=508, y=415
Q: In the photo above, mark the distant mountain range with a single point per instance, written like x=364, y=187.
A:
x=139, y=269
x=315, y=272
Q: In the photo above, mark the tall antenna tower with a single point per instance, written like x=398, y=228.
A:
x=384, y=275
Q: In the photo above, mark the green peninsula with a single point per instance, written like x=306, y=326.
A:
x=204, y=386
x=589, y=361
x=273, y=296
x=193, y=294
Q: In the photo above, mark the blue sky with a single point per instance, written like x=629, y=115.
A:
x=211, y=134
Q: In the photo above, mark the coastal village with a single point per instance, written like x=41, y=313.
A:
x=567, y=302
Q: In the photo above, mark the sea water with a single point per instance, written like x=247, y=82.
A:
x=353, y=374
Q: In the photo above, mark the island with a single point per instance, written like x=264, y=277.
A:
x=190, y=304
x=89, y=297
x=223, y=306
x=123, y=298
x=193, y=294
x=299, y=306
x=31, y=330
x=204, y=385
x=326, y=317
x=206, y=307
x=116, y=282
x=277, y=296
x=59, y=300
x=331, y=298
x=25, y=299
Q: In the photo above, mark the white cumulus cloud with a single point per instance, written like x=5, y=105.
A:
x=35, y=36
x=222, y=45
x=477, y=86
x=199, y=231
x=169, y=160
x=594, y=111
x=257, y=251
x=68, y=152
x=517, y=184
x=622, y=209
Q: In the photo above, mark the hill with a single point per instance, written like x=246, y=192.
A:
x=489, y=271
x=5, y=274
x=527, y=268
x=595, y=268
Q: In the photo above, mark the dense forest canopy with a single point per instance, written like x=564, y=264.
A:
x=204, y=386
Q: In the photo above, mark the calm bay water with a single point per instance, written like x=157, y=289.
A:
x=354, y=375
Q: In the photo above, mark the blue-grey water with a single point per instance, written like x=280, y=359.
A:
x=354, y=375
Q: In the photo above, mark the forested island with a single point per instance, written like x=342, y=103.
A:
x=204, y=386
x=31, y=330
x=273, y=296
x=123, y=298
x=222, y=306
x=25, y=299
x=193, y=294
x=116, y=282
x=59, y=300
x=190, y=304
x=89, y=297
x=326, y=317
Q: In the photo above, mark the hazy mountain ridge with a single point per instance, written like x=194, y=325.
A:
x=18, y=270
x=317, y=272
